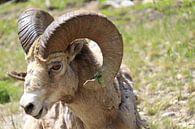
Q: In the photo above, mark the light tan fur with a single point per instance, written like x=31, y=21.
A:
x=110, y=107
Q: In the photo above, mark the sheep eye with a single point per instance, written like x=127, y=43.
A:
x=56, y=66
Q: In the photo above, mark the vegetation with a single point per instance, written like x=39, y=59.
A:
x=159, y=49
x=8, y=92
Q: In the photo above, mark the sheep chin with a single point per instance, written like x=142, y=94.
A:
x=43, y=111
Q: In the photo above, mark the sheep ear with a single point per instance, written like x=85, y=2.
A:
x=17, y=75
x=74, y=49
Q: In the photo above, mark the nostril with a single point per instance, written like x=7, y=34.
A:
x=28, y=109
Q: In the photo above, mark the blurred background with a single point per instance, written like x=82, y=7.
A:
x=159, y=49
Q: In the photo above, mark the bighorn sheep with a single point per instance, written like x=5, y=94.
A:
x=62, y=68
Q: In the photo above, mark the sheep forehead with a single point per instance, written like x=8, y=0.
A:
x=61, y=56
x=34, y=65
x=36, y=61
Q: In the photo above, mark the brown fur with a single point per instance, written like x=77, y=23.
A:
x=110, y=107
x=106, y=104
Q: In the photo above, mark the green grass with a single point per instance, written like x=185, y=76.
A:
x=9, y=91
x=160, y=52
x=56, y=4
x=162, y=42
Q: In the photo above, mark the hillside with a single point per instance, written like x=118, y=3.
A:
x=159, y=49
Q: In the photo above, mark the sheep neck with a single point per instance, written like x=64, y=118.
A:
x=97, y=109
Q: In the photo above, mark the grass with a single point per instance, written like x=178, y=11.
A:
x=12, y=90
x=10, y=116
x=159, y=49
x=56, y=4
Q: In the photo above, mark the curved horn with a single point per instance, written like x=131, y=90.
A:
x=17, y=75
x=31, y=24
x=79, y=24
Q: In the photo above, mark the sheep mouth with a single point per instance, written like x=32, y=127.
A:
x=39, y=114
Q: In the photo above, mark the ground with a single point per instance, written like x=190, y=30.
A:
x=159, y=49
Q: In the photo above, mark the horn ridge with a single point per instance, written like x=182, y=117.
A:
x=31, y=24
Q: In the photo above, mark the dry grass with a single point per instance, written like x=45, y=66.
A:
x=10, y=116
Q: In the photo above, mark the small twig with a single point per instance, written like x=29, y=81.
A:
x=2, y=117
x=13, y=123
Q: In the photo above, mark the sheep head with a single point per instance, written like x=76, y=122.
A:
x=50, y=47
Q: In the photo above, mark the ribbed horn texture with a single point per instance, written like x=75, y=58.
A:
x=31, y=24
x=80, y=24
